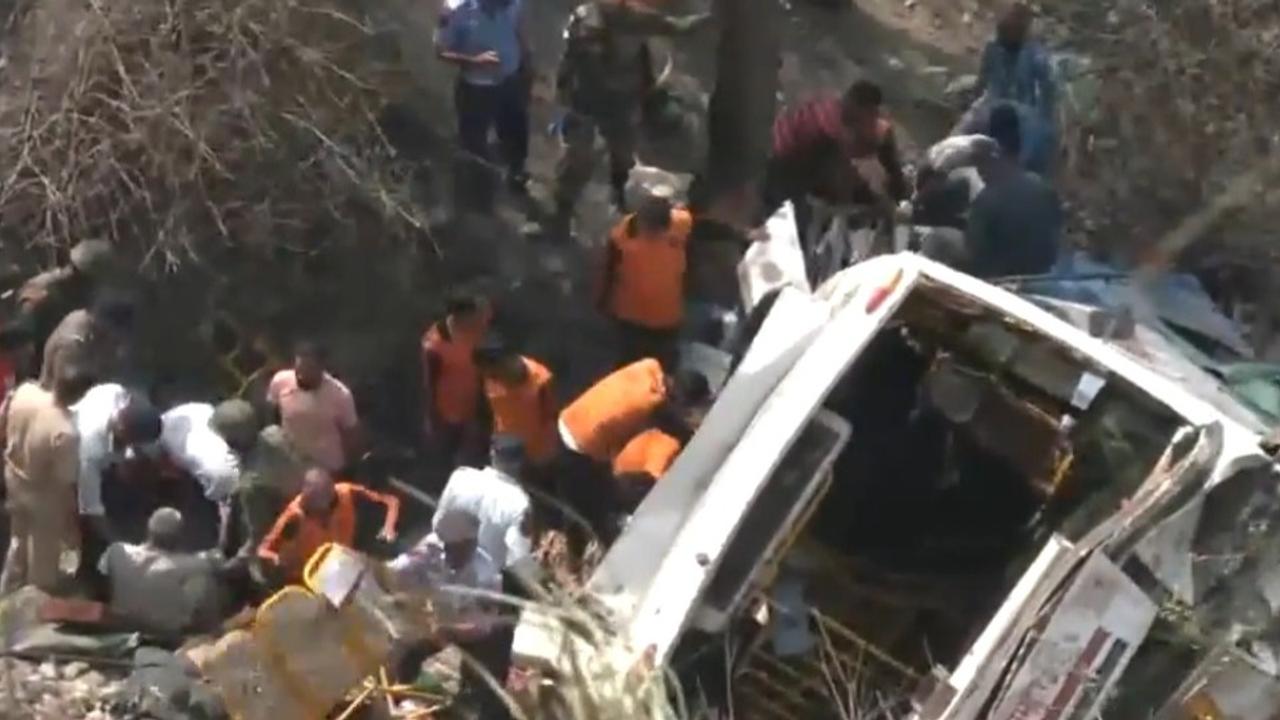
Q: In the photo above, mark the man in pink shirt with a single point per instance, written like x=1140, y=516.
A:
x=316, y=410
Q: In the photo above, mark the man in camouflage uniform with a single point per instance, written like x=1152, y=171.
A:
x=271, y=473
x=44, y=300
x=97, y=339
x=604, y=78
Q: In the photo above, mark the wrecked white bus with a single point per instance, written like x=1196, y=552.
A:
x=919, y=495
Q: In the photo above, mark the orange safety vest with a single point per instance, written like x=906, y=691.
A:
x=650, y=453
x=519, y=411
x=648, y=280
x=458, y=383
x=605, y=417
x=310, y=533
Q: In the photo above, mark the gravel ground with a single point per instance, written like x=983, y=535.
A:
x=51, y=691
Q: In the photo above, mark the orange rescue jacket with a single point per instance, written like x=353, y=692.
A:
x=646, y=284
x=649, y=453
x=526, y=411
x=296, y=536
x=605, y=417
x=457, y=383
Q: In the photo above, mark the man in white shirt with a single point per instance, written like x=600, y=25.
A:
x=450, y=565
x=189, y=441
x=103, y=408
x=157, y=588
x=123, y=435
x=494, y=495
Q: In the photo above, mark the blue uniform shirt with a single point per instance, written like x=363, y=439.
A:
x=470, y=30
x=1024, y=77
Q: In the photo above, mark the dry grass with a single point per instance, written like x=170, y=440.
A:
x=170, y=126
x=1184, y=118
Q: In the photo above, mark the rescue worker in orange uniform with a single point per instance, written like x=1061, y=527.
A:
x=642, y=287
x=645, y=459
x=452, y=382
x=598, y=425
x=324, y=512
x=520, y=401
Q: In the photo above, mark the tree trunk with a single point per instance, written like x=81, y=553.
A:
x=740, y=117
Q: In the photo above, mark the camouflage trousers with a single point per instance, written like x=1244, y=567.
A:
x=620, y=131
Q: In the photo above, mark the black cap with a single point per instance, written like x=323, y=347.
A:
x=461, y=303
x=491, y=349
x=690, y=387
x=139, y=421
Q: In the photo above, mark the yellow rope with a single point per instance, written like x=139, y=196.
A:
x=1061, y=470
x=865, y=646
x=241, y=381
x=355, y=704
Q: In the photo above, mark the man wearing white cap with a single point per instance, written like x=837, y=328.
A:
x=447, y=559
x=946, y=186
x=494, y=496
x=450, y=565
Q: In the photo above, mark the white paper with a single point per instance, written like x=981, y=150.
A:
x=338, y=575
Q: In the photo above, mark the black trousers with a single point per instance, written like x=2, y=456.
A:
x=92, y=545
x=636, y=342
x=456, y=444
x=586, y=486
x=502, y=108
x=785, y=179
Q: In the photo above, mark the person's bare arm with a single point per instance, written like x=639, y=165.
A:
x=350, y=430
x=608, y=275
x=488, y=57
x=354, y=442
x=391, y=503
x=446, y=50
x=283, y=531
x=891, y=159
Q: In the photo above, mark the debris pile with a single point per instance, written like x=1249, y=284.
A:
x=49, y=690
